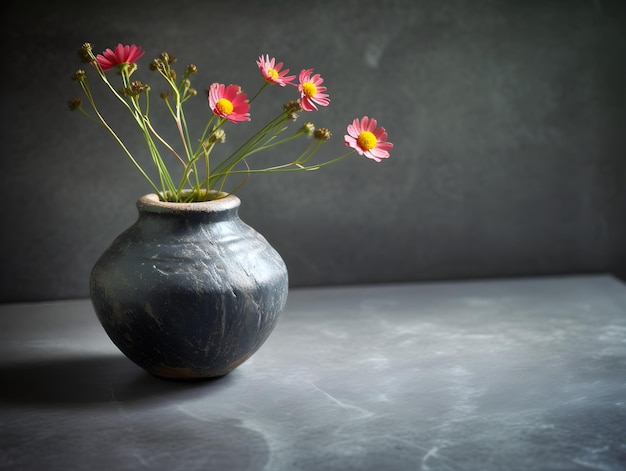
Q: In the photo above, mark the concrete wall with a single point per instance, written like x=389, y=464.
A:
x=508, y=119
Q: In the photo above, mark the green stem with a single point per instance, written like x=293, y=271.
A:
x=103, y=122
x=265, y=84
x=246, y=148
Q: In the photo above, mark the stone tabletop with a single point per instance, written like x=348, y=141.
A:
x=519, y=374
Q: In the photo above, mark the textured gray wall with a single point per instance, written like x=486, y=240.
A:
x=508, y=118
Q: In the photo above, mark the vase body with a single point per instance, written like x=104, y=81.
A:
x=189, y=291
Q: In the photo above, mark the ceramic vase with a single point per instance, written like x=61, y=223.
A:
x=189, y=291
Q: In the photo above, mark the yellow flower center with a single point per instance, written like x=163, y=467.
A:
x=224, y=106
x=309, y=89
x=272, y=73
x=366, y=140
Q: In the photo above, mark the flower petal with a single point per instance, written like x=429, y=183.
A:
x=120, y=54
x=377, y=150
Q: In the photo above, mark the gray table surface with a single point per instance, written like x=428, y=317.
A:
x=524, y=374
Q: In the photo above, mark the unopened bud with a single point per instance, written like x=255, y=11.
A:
x=156, y=64
x=322, y=134
x=292, y=108
x=218, y=136
x=74, y=104
x=79, y=75
x=308, y=128
x=85, y=53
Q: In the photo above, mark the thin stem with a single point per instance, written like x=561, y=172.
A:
x=103, y=122
x=265, y=84
x=246, y=148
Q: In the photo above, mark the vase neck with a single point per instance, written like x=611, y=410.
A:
x=223, y=208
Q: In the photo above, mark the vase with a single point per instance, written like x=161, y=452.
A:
x=189, y=291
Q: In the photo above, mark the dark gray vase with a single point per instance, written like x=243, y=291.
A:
x=189, y=291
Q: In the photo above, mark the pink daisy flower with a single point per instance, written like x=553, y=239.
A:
x=311, y=91
x=119, y=55
x=272, y=73
x=366, y=140
x=229, y=102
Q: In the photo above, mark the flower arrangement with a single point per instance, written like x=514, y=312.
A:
x=202, y=179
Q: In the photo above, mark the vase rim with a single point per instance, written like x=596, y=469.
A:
x=152, y=202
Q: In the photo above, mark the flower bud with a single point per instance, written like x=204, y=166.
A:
x=156, y=64
x=79, y=75
x=75, y=104
x=167, y=58
x=308, y=129
x=85, y=53
x=322, y=134
x=191, y=69
x=136, y=88
x=292, y=108
x=219, y=135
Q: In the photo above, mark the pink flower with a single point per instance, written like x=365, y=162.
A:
x=229, y=102
x=311, y=91
x=366, y=140
x=119, y=55
x=272, y=73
